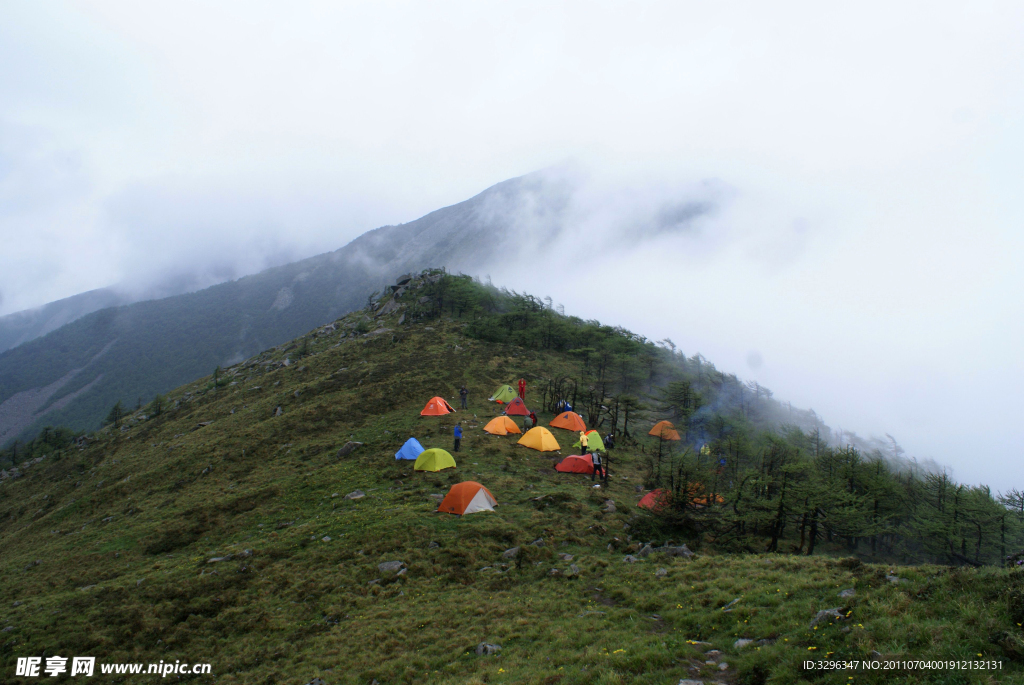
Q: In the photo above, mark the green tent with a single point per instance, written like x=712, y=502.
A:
x=594, y=442
x=434, y=459
x=505, y=394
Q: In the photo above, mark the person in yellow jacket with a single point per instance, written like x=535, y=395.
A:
x=583, y=442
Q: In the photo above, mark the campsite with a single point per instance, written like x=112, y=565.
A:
x=286, y=515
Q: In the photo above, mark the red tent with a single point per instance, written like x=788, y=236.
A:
x=437, y=406
x=576, y=464
x=517, y=408
x=654, y=500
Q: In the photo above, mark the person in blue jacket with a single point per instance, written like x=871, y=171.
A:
x=458, y=436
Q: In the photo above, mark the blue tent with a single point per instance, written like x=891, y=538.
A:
x=410, y=450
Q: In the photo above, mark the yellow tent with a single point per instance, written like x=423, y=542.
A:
x=539, y=438
x=501, y=425
x=434, y=459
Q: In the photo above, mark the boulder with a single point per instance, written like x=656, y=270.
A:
x=278, y=411
x=742, y=643
x=847, y=593
x=316, y=681
x=661, y=573
x=682, y=551
x=539, y=542
x=433, y=545
x=403, y=279
x=645, y=550
x=827, y=616
x=554, y=572
x=630, y=559
x=511, y=553
x=357, y=494
x=609, y=506
x=326, y=538
x=390, y=566
x=565, y=557
x=573, y=571
x=348, y=448
x=486, y=649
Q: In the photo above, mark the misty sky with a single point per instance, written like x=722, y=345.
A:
x=865, y=261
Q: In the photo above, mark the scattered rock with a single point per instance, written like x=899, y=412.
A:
x=565, y=557
x=316, y=681
x=742, y=643
x=682, y=551
x=401, y=573
x=433, y=545
x=215, y=560
x=827, y=616
x=724, y=666
x=630, y=559
x=401, y=319
x=661, y=573
x=554, y=572
x=390, y=566
x=539, y=542
x=690, y=681
x=437, y=496
x=284, y=524
x=347, y=448
x=7, y=629
x=16, y=604
x=278, y=411
x=847, y=593
x=728, y=607
x=326, y=538
x=573, y=571
x=609, y=506
x=510, y=553
x=486, y=649
x=424, y=300
x=766, y=642
x=403, y=279
x=356, y=494
x=713, y=654
x=645, y=550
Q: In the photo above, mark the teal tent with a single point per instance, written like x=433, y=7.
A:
x=410, y=450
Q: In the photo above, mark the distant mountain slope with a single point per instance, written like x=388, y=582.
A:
x=20, y=327
x=73, y=375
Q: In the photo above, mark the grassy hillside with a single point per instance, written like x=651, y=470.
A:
x=219, y=531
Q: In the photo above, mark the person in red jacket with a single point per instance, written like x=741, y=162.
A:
x=522, y=389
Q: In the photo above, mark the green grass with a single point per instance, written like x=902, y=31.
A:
x=138, y=587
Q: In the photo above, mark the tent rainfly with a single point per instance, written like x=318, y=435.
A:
x=539, y=438
x=410, y=450
x=594, y=441
x=576, y=464
x=434, y=459
x=664, y=430
x=503, y=395
x=437, y=406
x=468, y=497
x=501, y=425
x=517, y=408
x=654, y=500
x=569, y=420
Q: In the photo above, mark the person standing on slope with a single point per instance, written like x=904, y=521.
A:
x=458, y=436
x=598, y=469
x=583, y=442
x=463, y=394
x=522, y=389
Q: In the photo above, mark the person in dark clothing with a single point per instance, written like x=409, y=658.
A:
x=596, y=456
x=458, y=436
x=463, y=394
x=609, y=440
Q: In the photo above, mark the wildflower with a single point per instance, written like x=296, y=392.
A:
x=810, y=649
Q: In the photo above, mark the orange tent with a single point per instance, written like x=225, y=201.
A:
x=517, y=408
x=655, y=500
x=570, y=421
x=664, y=430
x=501, y=425
x=437, y=406
x=468, y=497
x=576, y=464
